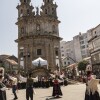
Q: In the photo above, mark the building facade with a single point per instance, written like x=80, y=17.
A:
x=81, y=46
x=94, y=47
x=75, y=50
x=67, y=53
x=38, y=34
x=9, y=62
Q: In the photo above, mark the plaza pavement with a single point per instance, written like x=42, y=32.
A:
x=70, y=92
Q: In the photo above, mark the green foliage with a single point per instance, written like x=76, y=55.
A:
x=82, y=65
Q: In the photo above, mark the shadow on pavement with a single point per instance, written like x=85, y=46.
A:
x=52, y=98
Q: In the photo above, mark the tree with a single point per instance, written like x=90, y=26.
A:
x=82, y=65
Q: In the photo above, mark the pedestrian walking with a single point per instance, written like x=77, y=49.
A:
x=13, y=79
x=29, y=87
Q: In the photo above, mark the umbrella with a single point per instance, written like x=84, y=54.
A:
x=39, y=62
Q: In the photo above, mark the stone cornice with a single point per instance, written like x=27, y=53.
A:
x=37, y=37
x=36, y=18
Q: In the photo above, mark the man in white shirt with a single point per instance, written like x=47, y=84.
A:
x=14, y=86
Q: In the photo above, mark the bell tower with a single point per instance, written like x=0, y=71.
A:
x=24, y=9
x=49, y=9
x=25, y=16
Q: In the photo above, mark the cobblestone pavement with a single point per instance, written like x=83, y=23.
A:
x=70, y=92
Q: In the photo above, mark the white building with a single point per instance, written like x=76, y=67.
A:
x=81, y=46
x=67, y=53
x=75, y=50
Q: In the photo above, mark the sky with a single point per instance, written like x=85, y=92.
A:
x=75, y=16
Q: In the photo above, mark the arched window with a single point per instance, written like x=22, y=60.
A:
x=45, y=11
x=53, y=28
x=24, y=0
x=21, y=13
x=39, y=51
x=21, y=54
x=28, y=11
x=48, y=9
x=52, y=10
x=56, y=52
x=22, y=30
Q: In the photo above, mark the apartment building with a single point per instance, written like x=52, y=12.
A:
x=67, y=53
x=75, y=50
x=81, y=46
x=94, y=47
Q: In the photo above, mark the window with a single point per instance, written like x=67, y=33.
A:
x=81, y=38
x=52, y=10
x=62, y=54
x=64, y=63
x=53, y=28
x=39, y=52
x=21, y=13
x=83, y=46
x=45, y=11
x=28, y=11
x=56, y=52
x=24, y=0
x=68, y=63
x=21, y=54
x=22, y=30
x=82, y=42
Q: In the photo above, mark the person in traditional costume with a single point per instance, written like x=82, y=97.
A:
x=91, y=92
x=56, y=88
x=2, y=86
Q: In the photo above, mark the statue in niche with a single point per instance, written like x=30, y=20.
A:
x=37, y=11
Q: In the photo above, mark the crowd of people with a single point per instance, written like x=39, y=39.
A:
x=17, y=81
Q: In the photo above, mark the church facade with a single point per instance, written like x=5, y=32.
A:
x=38, y=34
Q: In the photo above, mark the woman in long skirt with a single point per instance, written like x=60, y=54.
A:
x=56, y=88
x=91, y=92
